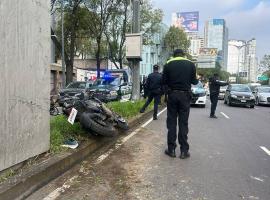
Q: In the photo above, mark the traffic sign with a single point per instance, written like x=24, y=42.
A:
x=263, y=78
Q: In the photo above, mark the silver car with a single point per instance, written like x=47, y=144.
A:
x=262, y=95
x=222, y=92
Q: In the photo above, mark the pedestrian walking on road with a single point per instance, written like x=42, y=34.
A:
x=178, y=75
x=154, y=90
x=214, y=87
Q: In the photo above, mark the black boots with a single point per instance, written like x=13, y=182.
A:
x=170, y=153
x=184, y=155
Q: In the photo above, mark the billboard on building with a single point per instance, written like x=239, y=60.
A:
x=208, y=51
x=188, y=21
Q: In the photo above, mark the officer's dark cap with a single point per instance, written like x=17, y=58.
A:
x=155, y=67
x=178, y=52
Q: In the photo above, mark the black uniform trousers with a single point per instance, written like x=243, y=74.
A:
x=151, y=96
x=178, y=106
x=214, y=101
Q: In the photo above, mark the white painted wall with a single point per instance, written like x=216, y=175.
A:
x=25, y=82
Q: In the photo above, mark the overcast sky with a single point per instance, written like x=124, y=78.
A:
x=245, y=18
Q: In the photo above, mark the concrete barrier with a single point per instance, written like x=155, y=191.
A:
x=24, y=88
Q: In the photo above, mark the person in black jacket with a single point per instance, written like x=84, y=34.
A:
x=154, y=90
x=214, y=88
x=178, y=75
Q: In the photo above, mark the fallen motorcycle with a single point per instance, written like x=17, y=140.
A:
x=53, y=106
x=95, y=116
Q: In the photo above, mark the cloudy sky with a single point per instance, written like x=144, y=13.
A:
x=245, y=18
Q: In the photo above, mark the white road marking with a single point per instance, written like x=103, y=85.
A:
x=146, y=123
x=265, y=150
x=150, y=120
x=116, y=146
x=252, y=197
x=226, y=116
x=57, y=192
x=162, y=111
x=257, y=179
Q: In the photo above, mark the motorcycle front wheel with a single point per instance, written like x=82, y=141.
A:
x=92, y=122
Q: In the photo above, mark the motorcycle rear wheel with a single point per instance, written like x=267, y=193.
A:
x=91, y=122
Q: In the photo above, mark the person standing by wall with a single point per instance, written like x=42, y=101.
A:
x=154, y=90
x=214, y=87
x=178, y=75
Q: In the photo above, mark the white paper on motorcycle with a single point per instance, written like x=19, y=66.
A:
x=72, y=116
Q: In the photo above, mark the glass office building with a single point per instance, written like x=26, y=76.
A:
x=216, y=36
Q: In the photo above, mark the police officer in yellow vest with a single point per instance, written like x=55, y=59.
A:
x=178, y=75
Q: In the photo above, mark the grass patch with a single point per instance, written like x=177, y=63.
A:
x=128, y=109
x=62, y=130
x=9, y=173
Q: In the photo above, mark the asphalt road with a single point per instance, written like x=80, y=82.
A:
x=228, y=161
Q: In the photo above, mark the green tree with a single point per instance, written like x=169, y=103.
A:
x=209, y=72
x=265, y=65
x=265, y=62
x=116, y=32
x=151, y=19
x=120, y=24
x=99, y=16
x=176, y=38
x=74, y=16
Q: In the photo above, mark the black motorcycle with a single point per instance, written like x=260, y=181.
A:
x=95, y=116
x=53, y=106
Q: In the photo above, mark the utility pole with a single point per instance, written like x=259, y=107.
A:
x=53, y=25
x=63, y=47
x=135, y=66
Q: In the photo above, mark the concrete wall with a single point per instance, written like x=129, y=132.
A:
x=24, y=82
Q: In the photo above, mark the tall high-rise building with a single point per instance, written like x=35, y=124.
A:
x=216, y=36
x=252, y=61
x=196, y=43
x=236, y=57
x=242, y=59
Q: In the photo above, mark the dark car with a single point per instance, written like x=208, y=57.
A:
x=111, y=89
x=75, y=88
x=239, y=94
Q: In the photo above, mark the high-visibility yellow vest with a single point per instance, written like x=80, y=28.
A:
x=177, y=58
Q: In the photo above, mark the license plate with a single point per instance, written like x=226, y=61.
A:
x=243, y=101
x=72, y=116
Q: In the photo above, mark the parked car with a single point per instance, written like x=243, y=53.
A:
x=262, y=95
x=239, y=94
x=111, y=89
x=252, y=86
x=198, y=95
x=75, y=88
x=222, y=92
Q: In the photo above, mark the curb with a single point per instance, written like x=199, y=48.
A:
x=20, y=187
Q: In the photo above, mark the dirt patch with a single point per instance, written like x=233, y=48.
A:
x=108, y=180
